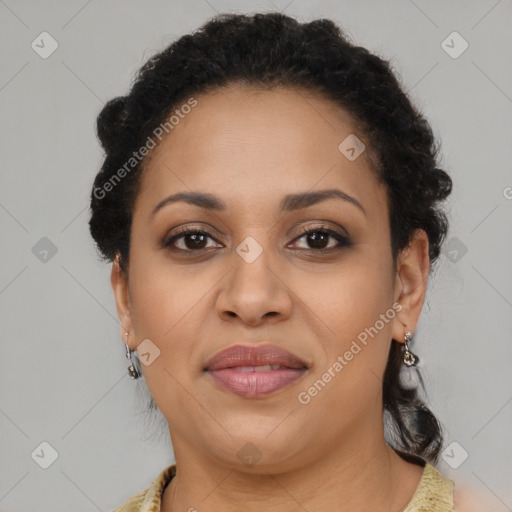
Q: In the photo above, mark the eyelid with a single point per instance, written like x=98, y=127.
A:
x=187, y=229
x=325, y=225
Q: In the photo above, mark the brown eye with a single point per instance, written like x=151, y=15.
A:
x=319, y=238
x=191, y=240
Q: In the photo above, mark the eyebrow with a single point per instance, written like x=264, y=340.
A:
x=290, y=202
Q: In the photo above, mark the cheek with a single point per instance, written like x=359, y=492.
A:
x=353, y=321
x=173, y=307
x=349, y=297
x=163, y=294
x=163, y=303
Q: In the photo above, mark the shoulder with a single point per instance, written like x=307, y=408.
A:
x=434, y=493
x=149, y=499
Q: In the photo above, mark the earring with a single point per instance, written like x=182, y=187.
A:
x=410, y=377
x=410, y=359
x=132, y=371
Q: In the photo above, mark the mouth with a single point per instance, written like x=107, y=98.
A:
x=253, y=371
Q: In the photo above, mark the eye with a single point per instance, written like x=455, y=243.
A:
x=193, y=240
x=318, y=239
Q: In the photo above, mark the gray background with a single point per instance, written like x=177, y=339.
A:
x=63, y=373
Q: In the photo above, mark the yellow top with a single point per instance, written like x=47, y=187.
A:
x=433, y=494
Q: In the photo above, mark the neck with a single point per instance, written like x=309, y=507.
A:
x=353, y=476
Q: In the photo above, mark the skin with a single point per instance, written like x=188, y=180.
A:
x=251, y=147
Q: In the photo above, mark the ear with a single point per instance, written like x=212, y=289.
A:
x=413, y=268
x=119, y=281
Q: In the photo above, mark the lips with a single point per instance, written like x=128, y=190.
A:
x=255, y=371
x=252, y=356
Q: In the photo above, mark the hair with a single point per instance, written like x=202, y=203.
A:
x=274, y=50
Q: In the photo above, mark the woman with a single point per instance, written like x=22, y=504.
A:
x=271, y=203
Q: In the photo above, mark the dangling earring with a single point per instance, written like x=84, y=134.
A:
x=132, y=371
x=410, y=377
x=410, y=359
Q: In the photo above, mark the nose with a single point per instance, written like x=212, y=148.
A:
x=255, y=291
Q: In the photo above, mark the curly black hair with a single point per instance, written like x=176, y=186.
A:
x=270, y=50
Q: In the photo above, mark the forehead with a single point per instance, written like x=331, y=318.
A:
x=247, y=142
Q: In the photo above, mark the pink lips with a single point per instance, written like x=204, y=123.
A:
x=235, y=369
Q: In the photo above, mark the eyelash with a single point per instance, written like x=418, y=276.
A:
x=343, y=241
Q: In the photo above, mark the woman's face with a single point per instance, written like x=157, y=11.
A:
x=253, y=278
